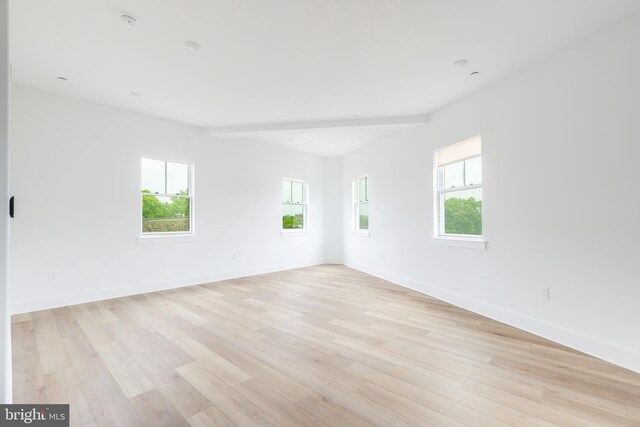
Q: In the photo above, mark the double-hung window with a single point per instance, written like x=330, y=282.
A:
x=294, y=204
x=459, y=190
x=167, y=197
x=361, y=203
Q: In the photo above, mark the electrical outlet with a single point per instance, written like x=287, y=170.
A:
x=544, y=293
x=51, y=275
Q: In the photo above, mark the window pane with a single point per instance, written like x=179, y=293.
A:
x=177, y=178
x=366, y=189
x=363, y=216
x=153, y=176
x=165, y=214
x=473, y=171
x=292, y=217
x=362, y=190
x=286, y=191
x=463, y=212
x=453, y=175
x=297, y=192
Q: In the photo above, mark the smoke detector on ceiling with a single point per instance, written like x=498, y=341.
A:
x=191, y=45
x=129, y=20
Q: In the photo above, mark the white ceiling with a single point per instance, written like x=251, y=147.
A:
x=289, y=61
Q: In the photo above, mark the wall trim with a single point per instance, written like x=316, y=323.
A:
x=26, y=306
x=6, y=382
x=613, y=353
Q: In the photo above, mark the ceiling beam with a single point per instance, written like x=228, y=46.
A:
x=319, y=124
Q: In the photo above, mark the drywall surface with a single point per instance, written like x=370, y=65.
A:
x=333, y=209
x=76, y=179
x=561, y=209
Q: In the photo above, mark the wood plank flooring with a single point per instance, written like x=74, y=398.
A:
x=319, y=346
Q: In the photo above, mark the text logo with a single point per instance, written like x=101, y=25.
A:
x=34, y=415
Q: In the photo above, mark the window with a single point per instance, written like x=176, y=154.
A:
x=361, y=203
x=294, y=204
x=167, y=197
x=459, y=190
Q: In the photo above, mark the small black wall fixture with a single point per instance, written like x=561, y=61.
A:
x=11, y=207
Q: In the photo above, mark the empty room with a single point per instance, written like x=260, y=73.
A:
x=320, y=213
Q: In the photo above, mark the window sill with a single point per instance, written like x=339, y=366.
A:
x=165, y=238
x=365, y=234
x=294, y=233
x=460, y=242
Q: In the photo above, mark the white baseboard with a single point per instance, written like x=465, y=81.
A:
x=27, y=306
x=601, y=349
x=613, y=353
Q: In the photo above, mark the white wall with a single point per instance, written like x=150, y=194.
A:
x=561, y=150
x=76, y=179
x=5, y=334
x=333, y=210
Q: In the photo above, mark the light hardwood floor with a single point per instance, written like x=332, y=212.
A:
x=324, y=345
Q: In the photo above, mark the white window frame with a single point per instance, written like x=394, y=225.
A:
x=355, y=195
x=305, y=208
x=442, y=192
x=191, y=198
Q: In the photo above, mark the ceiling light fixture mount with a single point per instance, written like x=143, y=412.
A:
x=192, y=46
x=129, y=19
x=460, y=63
